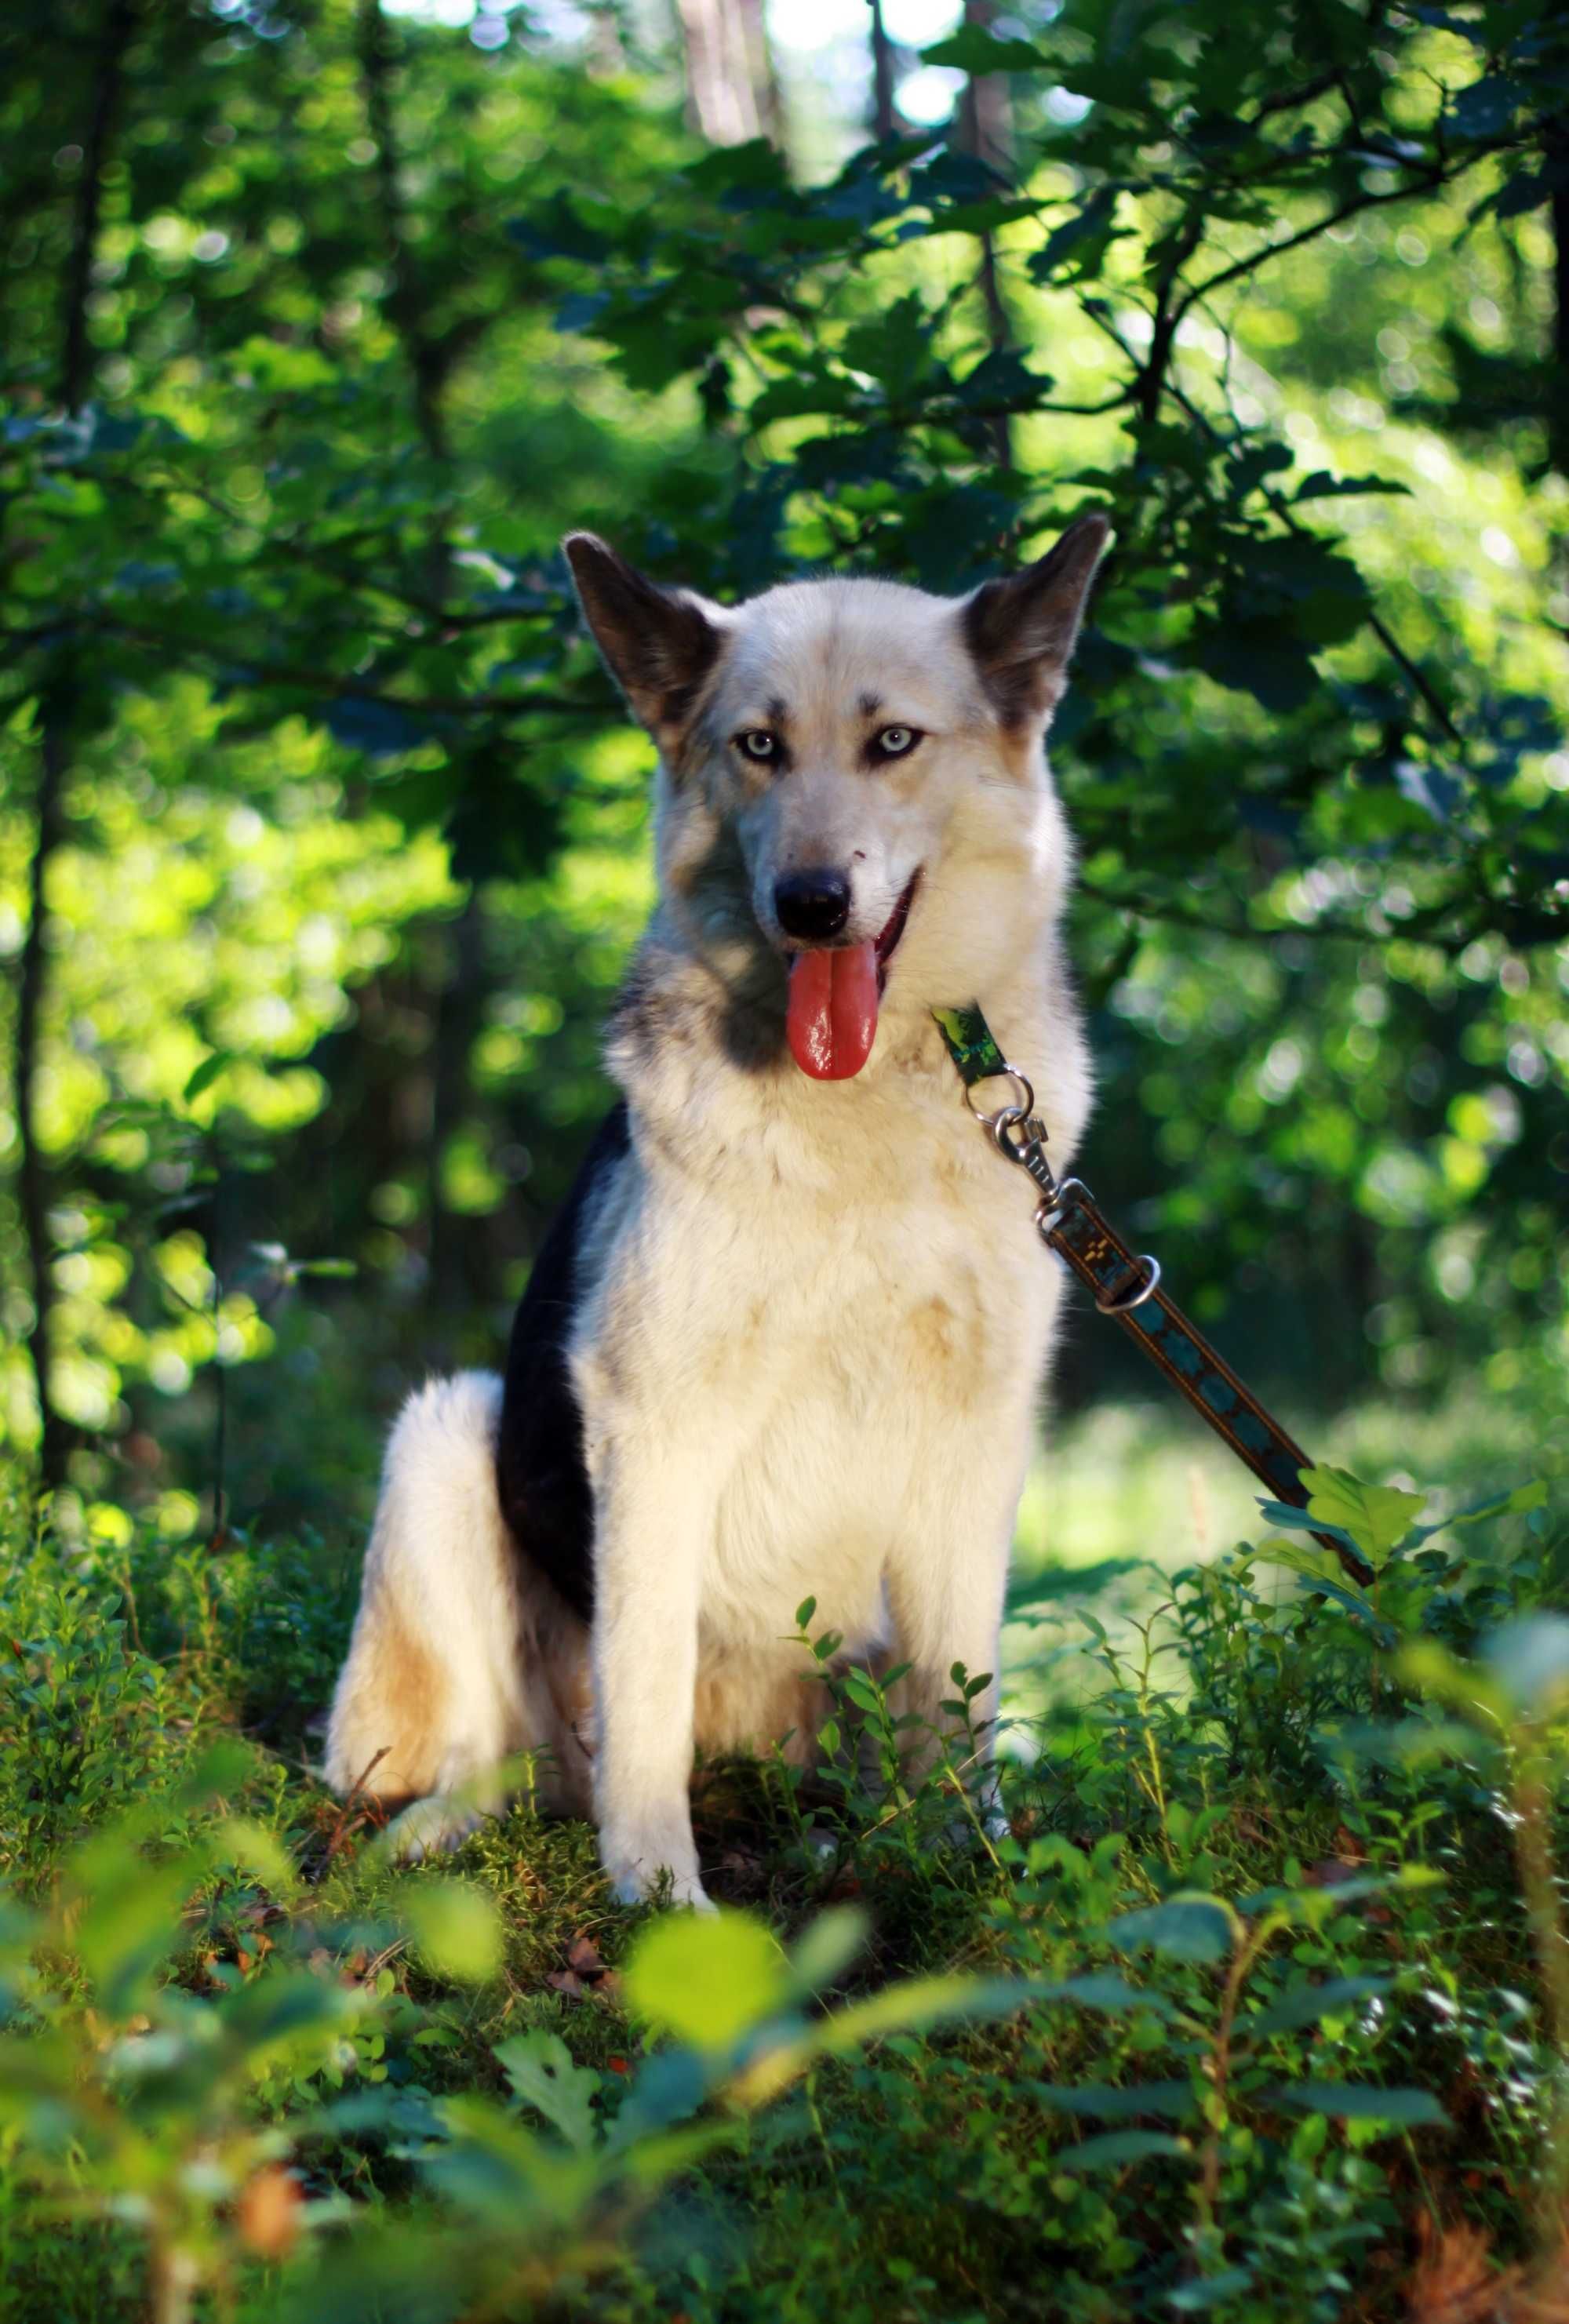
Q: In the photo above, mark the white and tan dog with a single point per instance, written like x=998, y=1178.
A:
x=787, y=1339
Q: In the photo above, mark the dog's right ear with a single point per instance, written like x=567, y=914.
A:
x=660, y=644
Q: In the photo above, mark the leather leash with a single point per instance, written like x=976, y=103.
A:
x=1127, y=1286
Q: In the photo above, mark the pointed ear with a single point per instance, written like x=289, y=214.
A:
x=660, y=644
x=1021, y=630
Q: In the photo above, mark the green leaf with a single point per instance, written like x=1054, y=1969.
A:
x=920, y=2002
x=1209, y=2291
x=707, y=1977
x=974, y=51
x=1518, y=1503
x=130, y=1921
x=1112, y=2101
x=1324, y=1570
x=1528, y=189
x=1322, y=486
x=542, y=2072
x=1111, y=1995
x=1364, y=2102
x=1186, y=1928
x=1309, y=2003
x=206, y=1073
x=455, y=1928
x=1378, y=1517
x=1084, y=238
x=1118, y=2147
x=826, y=1950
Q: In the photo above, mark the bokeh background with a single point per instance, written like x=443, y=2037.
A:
x=323, y=841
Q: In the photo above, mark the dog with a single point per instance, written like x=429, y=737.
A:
x=787, y=1337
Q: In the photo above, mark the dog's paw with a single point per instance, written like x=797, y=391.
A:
x=432, y=1827
x=645, y=1872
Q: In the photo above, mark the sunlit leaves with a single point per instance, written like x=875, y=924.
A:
x=1378, y=1517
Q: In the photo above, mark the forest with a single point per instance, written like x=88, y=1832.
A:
x=324, y=843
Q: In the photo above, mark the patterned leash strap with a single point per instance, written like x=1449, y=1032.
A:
x=1125, y=1286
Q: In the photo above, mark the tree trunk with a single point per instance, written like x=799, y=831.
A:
x=405, y=304
x=764, y=77
x=724, y=101
x=986, y=131
x=75, y=372
x=32, y=1176
x=1558, y=384
x=882, y=123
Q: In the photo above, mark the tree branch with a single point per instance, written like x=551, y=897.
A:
x=1427, y=184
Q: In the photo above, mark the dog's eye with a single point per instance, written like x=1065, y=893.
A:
x=757, y=742
x=897, y=742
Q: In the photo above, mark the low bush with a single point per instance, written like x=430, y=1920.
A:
x=1259, y=2010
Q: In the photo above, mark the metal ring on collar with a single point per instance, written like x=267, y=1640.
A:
x=1006, y=1116
x=1136, y=1293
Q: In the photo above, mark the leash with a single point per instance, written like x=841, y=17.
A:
x=1127, y=1287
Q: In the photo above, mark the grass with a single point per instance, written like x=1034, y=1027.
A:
x=1246, y=2019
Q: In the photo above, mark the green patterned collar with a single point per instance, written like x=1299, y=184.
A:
x=972, y=1045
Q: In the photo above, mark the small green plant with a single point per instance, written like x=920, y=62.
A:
x=1262, y=1970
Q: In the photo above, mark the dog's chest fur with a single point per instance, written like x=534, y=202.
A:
x=830, y=1300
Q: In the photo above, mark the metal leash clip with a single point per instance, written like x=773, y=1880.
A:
x=1018, y=1131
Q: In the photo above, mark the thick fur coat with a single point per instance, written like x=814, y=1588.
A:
x=789, y=1339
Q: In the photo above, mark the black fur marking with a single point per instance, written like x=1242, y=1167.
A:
x=541, y=1468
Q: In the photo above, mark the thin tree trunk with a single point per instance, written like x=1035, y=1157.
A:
x=1558, y=388
x=406, y=304
x=986, y=131
x=32, y=1176
x=721, y=97
x=762, y=71
x=455, y=1004
x=56, y=737
x=881, y=76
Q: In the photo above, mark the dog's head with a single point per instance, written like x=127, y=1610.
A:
x=853, y=769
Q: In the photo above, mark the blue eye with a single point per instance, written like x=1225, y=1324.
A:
x=757, y=742
x=897, y=742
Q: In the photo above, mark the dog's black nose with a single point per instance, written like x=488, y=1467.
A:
x=814, y=905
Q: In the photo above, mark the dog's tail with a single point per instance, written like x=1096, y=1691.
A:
x=432, y=1694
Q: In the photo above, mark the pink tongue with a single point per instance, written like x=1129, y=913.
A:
x=832, y=1017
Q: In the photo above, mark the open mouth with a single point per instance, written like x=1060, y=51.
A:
x=887, y=944
x=834, y=993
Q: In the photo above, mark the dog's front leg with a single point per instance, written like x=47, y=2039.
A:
x=653, y=1521
x=945, y=1593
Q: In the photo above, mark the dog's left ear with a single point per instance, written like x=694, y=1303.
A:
x=660, y=644
x=1022, y=631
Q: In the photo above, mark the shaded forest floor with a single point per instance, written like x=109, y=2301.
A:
x=1243, y=2020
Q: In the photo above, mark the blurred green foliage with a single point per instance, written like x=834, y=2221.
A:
x=1259, y=2000
x=319, y=327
